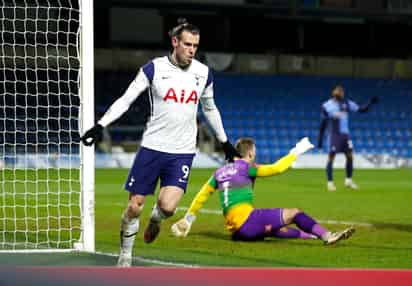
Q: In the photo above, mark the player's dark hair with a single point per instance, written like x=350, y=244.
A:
x=183, y=25
x=243, y=145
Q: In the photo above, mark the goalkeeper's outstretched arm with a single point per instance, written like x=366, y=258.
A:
x=285, y=162
x=202, y=196
x=182, y=227
x=276, y=168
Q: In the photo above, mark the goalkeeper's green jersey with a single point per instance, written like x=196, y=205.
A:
x=235, y=184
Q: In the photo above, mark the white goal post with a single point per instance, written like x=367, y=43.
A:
x=46, y=102
x=87, y=103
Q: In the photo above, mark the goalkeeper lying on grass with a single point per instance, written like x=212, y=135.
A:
x=235, y=181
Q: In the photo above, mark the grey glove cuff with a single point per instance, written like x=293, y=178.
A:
x=190, y=218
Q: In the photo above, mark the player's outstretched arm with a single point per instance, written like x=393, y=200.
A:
x=212, y=115
x=182, y=227
x=285, y=162
x=365, y=107
x=117, y=109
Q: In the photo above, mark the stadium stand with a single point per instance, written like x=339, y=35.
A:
x=275, y=110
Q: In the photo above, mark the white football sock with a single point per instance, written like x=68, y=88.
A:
x=128, y=228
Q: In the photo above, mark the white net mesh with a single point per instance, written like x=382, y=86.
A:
x=39, y=137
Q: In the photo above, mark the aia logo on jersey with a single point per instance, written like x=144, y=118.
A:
x=183, y=97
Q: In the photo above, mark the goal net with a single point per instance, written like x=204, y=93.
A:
x=43, y=205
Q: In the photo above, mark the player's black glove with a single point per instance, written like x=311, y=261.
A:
x=319, y=144
x=373, y=100
x=230, y=151
x=92, y=135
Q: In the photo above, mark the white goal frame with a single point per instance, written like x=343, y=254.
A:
x=85, y=48
x=87, y=157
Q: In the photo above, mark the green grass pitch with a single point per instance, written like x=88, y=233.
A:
x=383, y=203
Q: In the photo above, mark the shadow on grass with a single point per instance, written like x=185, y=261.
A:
x=234, y=259
x=375, y=247
x=393, y=226
x=227, y=237
x=213, y=234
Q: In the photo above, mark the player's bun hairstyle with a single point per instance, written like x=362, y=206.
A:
x=183, y=25
x=243, y=145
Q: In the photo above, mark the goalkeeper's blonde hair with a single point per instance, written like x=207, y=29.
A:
x=244, y=144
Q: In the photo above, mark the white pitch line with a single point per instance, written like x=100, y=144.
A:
x=354, y=223
x=153, y=261
x=203, y=211
x=219, y=212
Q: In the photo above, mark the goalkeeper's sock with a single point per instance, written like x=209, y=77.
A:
x=128, y=230
x=309, y=225
x=291, y=232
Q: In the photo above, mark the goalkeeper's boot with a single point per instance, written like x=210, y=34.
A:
x=350, y=184
x=334, y=237
x=152, y=231
x=331, y=186
x=125, y=259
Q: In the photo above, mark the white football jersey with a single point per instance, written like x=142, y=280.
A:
x=174, y=97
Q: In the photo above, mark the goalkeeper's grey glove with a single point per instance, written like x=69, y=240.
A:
x=302, y=146
x=182, y=227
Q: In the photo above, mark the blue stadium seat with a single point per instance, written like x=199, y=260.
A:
x=278, y=110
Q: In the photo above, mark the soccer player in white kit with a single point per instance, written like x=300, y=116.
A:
x=176, y=84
